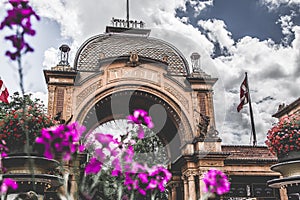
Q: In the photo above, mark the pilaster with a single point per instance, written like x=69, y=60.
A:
x=60, y=81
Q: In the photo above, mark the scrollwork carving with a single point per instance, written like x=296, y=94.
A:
x=177, y=94
x=87, y=91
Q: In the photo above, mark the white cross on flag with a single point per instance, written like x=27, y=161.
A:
x=244, y=94
x=3, y=92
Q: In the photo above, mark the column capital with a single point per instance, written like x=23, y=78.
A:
x=188, y=173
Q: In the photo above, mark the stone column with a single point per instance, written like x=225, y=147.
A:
x=211, y=108
x=192, y=188
x=201, y=184
x=185, y=188
x=174, y=193
x=169, y=193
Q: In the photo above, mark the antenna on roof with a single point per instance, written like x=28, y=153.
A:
x=127, y=13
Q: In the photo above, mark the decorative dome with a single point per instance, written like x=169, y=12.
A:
x=107, y=45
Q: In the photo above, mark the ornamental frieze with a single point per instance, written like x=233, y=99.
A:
x=178, y=95
x=87, y=91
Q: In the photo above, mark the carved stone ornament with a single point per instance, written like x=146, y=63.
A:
x=133, y=60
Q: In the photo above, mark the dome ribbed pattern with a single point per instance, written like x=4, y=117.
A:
x=112, y=46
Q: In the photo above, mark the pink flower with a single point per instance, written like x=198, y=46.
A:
x=62, y=139
x=20, y=17
x=105, y=139
x=160, y=176
x=216, y=182
x=117, y=171
x=129, y=153
x=93, y=167
x=140, y=117
x=8, y=183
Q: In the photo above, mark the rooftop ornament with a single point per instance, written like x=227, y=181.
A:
x=127, y=26
x=195, y=59
x=64, y=55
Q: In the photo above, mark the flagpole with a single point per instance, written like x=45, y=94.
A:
x=251, y=113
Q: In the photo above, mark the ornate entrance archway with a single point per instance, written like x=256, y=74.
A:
x=168, y=123
x=115, y=73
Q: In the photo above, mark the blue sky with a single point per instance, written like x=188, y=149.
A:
x=261, y=37
x=242, y=18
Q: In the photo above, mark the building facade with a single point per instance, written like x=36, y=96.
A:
x=125, y=69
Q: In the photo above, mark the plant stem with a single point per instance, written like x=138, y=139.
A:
x=153, y=194
x=132, y=195
x=120, y=192
x=20, y=72
x=27, y=147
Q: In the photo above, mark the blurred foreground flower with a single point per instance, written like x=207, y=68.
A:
x=6, y=184
x=62, y=139
x=216, y=182
x=19, y=18
x=140, y=117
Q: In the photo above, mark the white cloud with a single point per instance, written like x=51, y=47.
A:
x=286, y=24
x=275, y=4
x=271, y=70
x=65, y=13
x=40, y=95
x=50, y=58
x=199, y=6
x=216, y=31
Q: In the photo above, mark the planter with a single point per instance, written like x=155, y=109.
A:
x=32, y=173
x=20, y=163
x=290, y=156
x=288, y=168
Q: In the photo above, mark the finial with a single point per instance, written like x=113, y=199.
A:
x=64, y=54
x=195, y=59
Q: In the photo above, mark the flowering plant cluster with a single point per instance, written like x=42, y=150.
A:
x=62, y=139
x=216, y=182
x=284, y=136
x=14, y=120
x=115, y=152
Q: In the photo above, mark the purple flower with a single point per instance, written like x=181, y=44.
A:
x=8, y=183
x=105, y=139
x=100, y=155
x=19, y=17
x=216, y=182
x=117, y=167
x=62, y=139
x=143, y=177
x=140, y=117
x=93, y=167
x=159, y=177
x=129, y=154
x=3, y=149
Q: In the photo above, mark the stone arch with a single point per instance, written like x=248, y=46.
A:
x=104, y=71
x=116, y=103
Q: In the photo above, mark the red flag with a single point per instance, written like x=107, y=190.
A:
x=244, y=94
x=3, y=92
